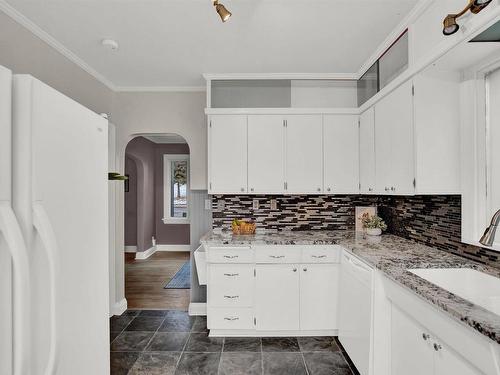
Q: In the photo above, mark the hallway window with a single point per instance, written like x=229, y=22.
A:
x=176, y=188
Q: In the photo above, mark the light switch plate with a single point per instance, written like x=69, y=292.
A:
x=208, y=204
x=274, y=204
x=255, y=204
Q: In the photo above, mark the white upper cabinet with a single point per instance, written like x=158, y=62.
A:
x=341, y=154
x=367, y=151
x=266, y=154
x=227, y=154
x=304, y=154
x=394, y=142
x=437, y=132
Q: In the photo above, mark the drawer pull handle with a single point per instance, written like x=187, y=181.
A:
x=232, y=318
x=230, y=256
x=231, y=297
x=276, y=256
x=426, y=336
x=231, y=274
x=437, y=347
x=318, y=256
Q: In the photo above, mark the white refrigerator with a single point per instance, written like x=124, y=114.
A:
x=14, y=264
x=59, y=195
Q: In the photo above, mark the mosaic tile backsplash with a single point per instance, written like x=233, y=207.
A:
x=431, y=220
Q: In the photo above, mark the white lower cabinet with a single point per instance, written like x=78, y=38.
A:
x=318, y=296
x=277, y=297
x=411, y=351
x=416, y=351
x=286, y=290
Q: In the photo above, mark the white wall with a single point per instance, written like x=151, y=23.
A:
x=162, y=112
x=166, y=112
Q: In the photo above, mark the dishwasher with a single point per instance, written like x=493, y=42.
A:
x=355, y=310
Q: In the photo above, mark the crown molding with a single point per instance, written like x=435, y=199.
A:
x=160, y=89
x=291, y=76
x=47, y=38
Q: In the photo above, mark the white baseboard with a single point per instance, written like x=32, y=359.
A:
x=119, y=307
x=255, y=333
x=145, y=254
x=173, y=247
x=131, y=249
x=197, y=309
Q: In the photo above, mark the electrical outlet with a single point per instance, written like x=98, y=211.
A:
x=208, y=204
x=255, y=204
x=274, y=204
x=221, y=204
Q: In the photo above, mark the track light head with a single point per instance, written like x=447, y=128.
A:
x=479, y=5
x=222, y=11
x=450, y=25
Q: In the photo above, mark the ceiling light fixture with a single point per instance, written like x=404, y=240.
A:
x=222, y=11
x=450, y=25
x=110, y=43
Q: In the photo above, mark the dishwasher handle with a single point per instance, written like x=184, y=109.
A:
x=357, y=264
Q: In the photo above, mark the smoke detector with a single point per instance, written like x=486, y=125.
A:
x=110, y=43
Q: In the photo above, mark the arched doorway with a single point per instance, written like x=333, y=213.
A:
x=157, y=223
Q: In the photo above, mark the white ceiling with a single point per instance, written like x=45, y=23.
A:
x=172, y=42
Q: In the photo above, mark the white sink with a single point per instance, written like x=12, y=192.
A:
x=475, y=286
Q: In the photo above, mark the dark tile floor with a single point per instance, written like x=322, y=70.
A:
x=171, y=342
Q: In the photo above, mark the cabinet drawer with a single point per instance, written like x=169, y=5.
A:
x=321, y=254
x=278, y=254
x=230, y=318
x=231, y=285
x=230, y=255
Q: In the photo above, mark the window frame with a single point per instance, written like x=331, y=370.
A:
x=167, y=180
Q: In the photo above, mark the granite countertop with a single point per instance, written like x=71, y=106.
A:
x=393, y=256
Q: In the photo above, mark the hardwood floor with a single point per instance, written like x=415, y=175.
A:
x=145, y=279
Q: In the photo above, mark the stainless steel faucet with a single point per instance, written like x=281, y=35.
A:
x=489, y=234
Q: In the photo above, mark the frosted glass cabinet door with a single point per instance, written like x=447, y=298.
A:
x=228, y=154
x=341, y=154
x=266, y=153
x=304, y=154
x=367, y=151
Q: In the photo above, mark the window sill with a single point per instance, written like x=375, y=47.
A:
x=170, y=220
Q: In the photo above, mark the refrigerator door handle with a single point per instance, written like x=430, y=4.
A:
x=20, y=261
x=42, y=224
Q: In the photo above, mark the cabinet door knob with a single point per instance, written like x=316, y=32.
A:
x=393, y=188
x=426, y=336
x=305, y=269
x=242, y=189
x=328, y=189
x=319, y=189
x=370, y=189
x=251, y=189
x=386, y=189
x=294, y=270
x=437, y=347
